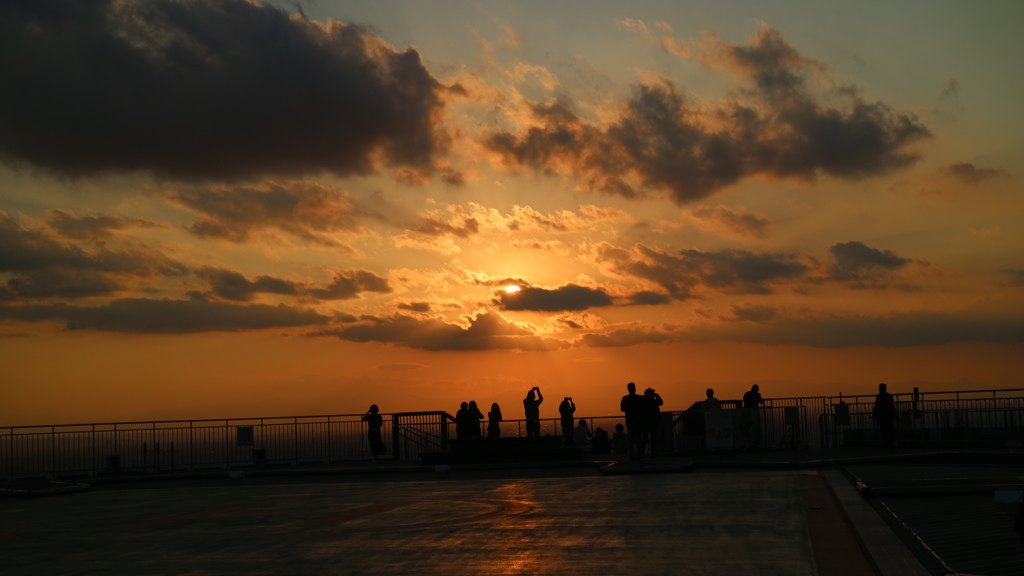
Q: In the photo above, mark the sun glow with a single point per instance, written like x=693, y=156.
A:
x=511, y=289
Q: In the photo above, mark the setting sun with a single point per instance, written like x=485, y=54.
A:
x=511, y=289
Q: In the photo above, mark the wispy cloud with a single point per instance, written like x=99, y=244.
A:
x=968, y=173
x=727, y=221
x=306, y=210
x=41, y=265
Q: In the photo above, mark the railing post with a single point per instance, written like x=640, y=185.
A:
x=395, y=441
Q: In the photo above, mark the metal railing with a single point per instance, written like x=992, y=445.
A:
x=974, y=418
x=180, y=446
x=989, y=417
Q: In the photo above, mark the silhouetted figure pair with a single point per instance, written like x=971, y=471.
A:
x=467, y=421
x=374, y=423
x=643, y=415
x=884, y=412
x=531, y=405
x=566, y=410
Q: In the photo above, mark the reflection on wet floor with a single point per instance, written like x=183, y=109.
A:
x=637, y=525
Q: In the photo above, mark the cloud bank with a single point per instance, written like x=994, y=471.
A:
x=207, y=89
x=665, y=140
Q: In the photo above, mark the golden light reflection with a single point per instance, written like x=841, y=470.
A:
x=520, y=550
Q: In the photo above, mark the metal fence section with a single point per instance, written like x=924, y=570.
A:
x=976, y=418
x=180, y=446
x=970, y=418
x=418, y=432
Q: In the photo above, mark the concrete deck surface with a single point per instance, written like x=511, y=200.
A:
x=401, y=520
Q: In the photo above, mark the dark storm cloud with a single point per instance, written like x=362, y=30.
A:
x=665, y=141
x=862, y=265
x=22, y=249
x=143, y=316
x=743, y=272
x=306, y=210
x=564, y=298
x=728, y=271
x=345, y=285
x=232, y=285
x=207, y=89
x=94, y=226
x=486, y=331
x=44, y=266
x=349, y=284
x=968, y=173
x=58, y=283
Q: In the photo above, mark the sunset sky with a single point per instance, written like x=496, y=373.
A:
x=221, y=208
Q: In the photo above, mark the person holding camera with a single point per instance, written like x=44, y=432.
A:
x=566, y=410
x=652, y=421
x=531, y=404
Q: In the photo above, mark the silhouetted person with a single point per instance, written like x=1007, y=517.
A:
x=620, y=441
x=478, y=416
x=752, y=402
x=582, y=435
x=633, y=406
x=711, y=403
x=600, y=443
x=531, y=405
x=652, y=420
x=494, y=421
x=566, y=410
x=463, y=420
x=374, y=423
x=884, y=412
x=752, y=398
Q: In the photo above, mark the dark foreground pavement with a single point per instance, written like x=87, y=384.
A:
x=779, y=514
